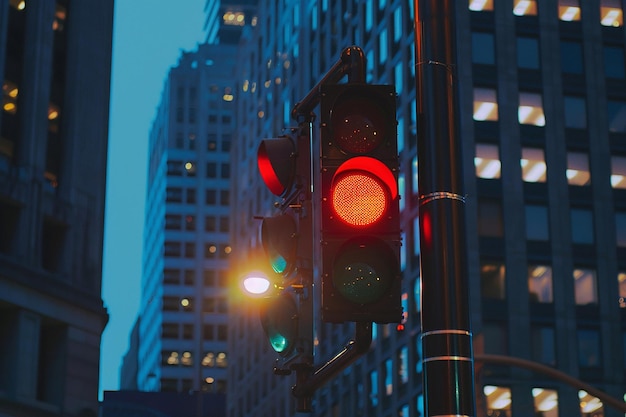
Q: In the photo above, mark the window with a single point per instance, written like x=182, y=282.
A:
x=403, y=365
x=611, y=13
x=172, y=249
x=575, y=109
x=588, y=348
x=173, y=221
x=620, y=228
x=621, y=285
x=614, y=66
x=569, y=10
x=210, y=197
x=618, y=172
x=540, y=283
x=388, y=370
x=498, y=400
x=480, y=5
x=546, y=402
x=571, y=57
x=190, y=223
x=527, y=53
x=525, y=7
x=616, y=112
x=485, y=104
x=211, y=170
x=533, y=165
x=492, y=280
x=582, y=226
x=530, y=111
x=590, y=406
x=483, y=49
x=578, y=169
x=542, y=345
x=585, y=286
x=537, y=222
x=373, y=388
x=487, y=161
x=490, y=218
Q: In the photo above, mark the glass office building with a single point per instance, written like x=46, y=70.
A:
x=542, y=89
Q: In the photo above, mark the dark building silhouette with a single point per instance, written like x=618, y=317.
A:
x=162, y=404
x=55, y=60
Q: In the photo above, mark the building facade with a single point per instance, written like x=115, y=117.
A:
x=543, y=128
x=55, y=64
x=184, y=306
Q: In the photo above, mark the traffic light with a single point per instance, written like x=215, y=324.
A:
x=360, y=226
x=286, y=237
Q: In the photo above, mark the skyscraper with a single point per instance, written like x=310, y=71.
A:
x=543, y=126
x=55, y=63
x=184, y=306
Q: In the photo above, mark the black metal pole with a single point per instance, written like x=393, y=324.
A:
x=446, y=333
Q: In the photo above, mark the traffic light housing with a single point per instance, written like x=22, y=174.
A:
x=286, y=237
x=360, y=225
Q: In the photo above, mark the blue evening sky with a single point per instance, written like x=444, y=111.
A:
x=149, y=36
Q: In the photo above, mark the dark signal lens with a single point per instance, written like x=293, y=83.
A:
x=358, y=125
x=363, y=270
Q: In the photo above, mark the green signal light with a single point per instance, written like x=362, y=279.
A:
x=279, y=318
x=279, y=342
x=279, y=264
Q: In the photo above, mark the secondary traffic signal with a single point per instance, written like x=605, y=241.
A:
x=285, y=167
x=360, y=226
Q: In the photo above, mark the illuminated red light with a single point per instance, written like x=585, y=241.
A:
x=362, y=191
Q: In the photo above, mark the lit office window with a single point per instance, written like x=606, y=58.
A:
x=537, y=222
x=414, y=187
x=616, y=112
x=588, y=348
x=546, y=402
x=575, y=109
x=614, y=66
x=533, y=165
x=578, y=169
x=485, y=104
x=527, y=52
x=397, y=24
x=492, y=280
x=590, y=406
x=530, y=111
x=480, y=5
x=404, y=411
x=419, y=356
x=483, y=48
x=618, y=172
x=620, y=228
x=611, y=13
x=542, y=345
x=582, y=226
x=382, y=47
x=524, y=7
x=569, y=10
x=585, y=289
x=417, y=294
x=487, y=161
x=621, y=285
x=416, y=236
x=540, y=283
x=186, y=359
x=498, y=400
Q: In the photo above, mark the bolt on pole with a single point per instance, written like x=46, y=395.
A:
x=446, y=331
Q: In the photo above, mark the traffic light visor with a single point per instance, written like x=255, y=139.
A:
x=362, y=190
x=278, y=235
x=358, y=123
x=279, y=320
x=364, y=270
x=275, y=158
